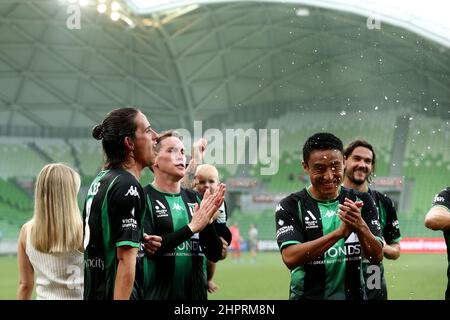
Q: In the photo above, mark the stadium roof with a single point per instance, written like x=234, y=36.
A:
x=216, y=60
x=429, y=19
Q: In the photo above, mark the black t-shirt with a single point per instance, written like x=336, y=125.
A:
x=112, y=217
x=337, y=274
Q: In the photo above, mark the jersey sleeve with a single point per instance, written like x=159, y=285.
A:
x=370, y=215
x=442, y=199
x=125, y=205
x=391, y=232
x=288, y=226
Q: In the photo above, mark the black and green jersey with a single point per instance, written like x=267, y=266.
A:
x=376, y=288
x=442, y=199
x=178, y=269
x=112, y=217
x=337, y=273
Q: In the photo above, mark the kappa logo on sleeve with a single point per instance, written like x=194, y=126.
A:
x=279, y=208
x=438, y=199
x=133, y=192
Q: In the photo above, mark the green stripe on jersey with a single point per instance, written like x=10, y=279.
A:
x=108, y=246
x=335, y=264
x=183, y=255
x=297, y=282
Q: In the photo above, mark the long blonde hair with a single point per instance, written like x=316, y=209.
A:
x=56, y=226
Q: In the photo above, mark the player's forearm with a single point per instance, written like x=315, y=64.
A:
x=171, y=240
x=391, y=251
x=189, y=176
x=370, y=245
x=210, y=270
x=299, y=254
x=126, y=268
x=124, y=280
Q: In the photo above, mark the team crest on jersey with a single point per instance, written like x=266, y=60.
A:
x=133, y=192
x=160, y=209
x=311, y=221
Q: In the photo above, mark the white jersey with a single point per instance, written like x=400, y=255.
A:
x=58, y=276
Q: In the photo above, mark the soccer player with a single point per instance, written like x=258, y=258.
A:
x=178, y=269
x=115, y=205
x=235, y=246
x=438, y=218
x=325, y=229
x=359, y=160
x=207, y=178
x=253, y=242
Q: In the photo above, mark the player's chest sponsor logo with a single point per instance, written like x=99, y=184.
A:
x=160, y=209
x=311, y=221
x=189, y=248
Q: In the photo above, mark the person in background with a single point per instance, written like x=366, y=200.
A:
x=51, y=243
x=359, y=168
x=235, y=246
x=207, y=178
x=253, y=242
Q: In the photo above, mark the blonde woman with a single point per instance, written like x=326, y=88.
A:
x=50, y=244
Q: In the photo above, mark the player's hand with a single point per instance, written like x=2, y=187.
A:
x=212, y=287
x=350, y=214
x=224, y=248
x=198, y=149
x=210, y=204
x=151, y=243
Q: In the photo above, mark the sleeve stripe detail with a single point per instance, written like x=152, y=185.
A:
x=127, y=243
x=441, y=206
x=287, y=243
x=381, y=240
